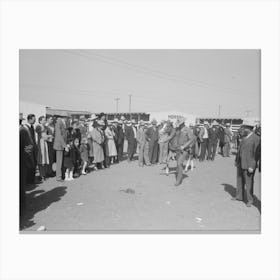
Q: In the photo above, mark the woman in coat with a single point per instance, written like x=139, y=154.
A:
x=112, y=151
x=97, y=140
x=43, y=152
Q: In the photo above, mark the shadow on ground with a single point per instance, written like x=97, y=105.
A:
x=232, y=191
x=37, y=201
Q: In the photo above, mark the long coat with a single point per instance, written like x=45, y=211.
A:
x=247, y=153
x=111, y=142
x=43, y=151
x=97, y=140
x=26, y=148
x=60, y=135
x=153, y=136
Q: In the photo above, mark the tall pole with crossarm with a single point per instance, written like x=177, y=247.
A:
x=117, y=104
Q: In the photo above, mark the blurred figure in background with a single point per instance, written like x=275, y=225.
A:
x=60, y=138
x=163, y=143
x=130, y=135
x=203, y=138
x=143, y=143
x=110, y=136
x=153, y=135
x=227, y=140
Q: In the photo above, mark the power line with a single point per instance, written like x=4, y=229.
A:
x=158, y=74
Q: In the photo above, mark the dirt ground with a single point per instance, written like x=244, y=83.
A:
x=127, y=197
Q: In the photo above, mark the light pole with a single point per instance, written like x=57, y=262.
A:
x=130, y=95
x=117, y=104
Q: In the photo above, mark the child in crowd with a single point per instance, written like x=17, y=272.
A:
x=77, y=159
x=84, y=150
x=69, y=159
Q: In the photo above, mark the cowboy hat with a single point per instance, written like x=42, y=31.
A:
x=93, y=117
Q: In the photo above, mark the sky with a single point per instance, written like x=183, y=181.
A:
x=205, y=83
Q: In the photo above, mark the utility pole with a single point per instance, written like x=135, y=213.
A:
x=130, y=95
x=117, y=104
x=219, y=114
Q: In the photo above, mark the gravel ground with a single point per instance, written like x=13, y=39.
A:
x=127, y=197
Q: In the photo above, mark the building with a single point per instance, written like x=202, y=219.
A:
x=72, y=114
x=173, y=116
x=137, y=116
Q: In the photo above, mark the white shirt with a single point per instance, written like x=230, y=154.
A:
x=134, y=131
x=205, y=135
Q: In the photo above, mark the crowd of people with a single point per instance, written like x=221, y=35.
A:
x=66, y=148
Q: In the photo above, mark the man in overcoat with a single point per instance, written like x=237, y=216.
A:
x=130, y=135
x=213, y=138
x=246, y=164
x=26, y=156
x=153, y=136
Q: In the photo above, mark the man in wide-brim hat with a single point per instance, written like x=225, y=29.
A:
x=93, y=117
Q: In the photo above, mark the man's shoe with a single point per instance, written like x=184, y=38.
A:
x=249, y=204
x=177, y=184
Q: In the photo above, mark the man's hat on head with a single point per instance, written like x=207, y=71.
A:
x=215, y=122
x=206, y=123
x=93, y=117
x=21, y=117
x=122, y=118
x=227, y=124
x=141, y=122
x=154, y=121
x=248, y=124
x=133, y=121
x=115, y=120
x=82, y=118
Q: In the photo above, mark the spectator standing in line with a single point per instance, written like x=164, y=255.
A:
x=60, y=138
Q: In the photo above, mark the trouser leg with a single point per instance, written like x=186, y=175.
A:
x=146, y=153
x=165, y=152
x=203, y=150
x=59, y=158
x=239, y=184
x=209, y=150
x=180, y=160
x=141, y=154
x=120, y=151
x=249, y=182
x=22, y=183
x=160, y=152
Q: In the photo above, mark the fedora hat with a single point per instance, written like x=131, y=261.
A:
x=154, y=121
